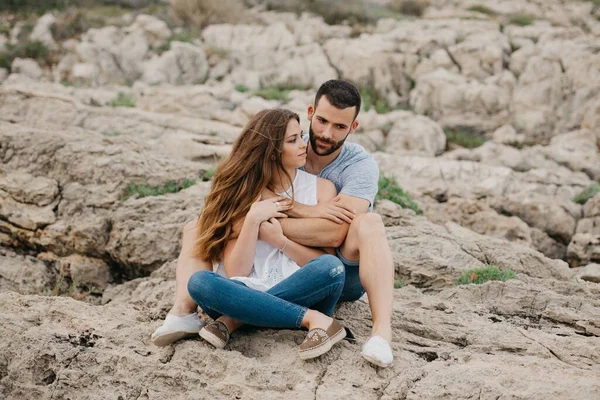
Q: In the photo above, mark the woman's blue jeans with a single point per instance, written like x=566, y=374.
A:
x=318, y=286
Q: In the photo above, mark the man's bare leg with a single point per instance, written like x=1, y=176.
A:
x=187, y=264
x=367, y=242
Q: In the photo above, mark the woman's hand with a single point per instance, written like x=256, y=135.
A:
x=270, y=231
x=263, y=210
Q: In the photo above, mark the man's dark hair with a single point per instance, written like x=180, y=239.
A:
x=341, y=94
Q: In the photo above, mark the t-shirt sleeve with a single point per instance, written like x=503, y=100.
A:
x=361, y=180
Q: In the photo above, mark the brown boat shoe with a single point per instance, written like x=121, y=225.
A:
x=216, y=333
x=319, y=341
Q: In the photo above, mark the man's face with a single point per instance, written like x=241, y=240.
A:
x=329, y=126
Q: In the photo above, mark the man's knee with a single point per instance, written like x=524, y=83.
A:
x=369, y=225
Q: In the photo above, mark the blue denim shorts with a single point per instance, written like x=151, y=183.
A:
x=353, y=290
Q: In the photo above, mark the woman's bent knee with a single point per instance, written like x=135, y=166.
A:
x=331, y=268
x=199, y=283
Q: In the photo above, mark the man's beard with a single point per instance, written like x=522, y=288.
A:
x=334, y=145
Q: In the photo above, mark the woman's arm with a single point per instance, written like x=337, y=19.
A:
x=270, y=231
x=238, y=255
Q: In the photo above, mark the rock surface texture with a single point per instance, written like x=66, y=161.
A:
x=489, y=117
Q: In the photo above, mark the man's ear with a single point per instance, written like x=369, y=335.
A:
x=310, y=111
x=354, y=126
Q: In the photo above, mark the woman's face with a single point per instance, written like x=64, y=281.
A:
x=293, y=154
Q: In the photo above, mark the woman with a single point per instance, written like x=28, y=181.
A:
x=273, y=280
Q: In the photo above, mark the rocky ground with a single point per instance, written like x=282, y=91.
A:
x=87, y=262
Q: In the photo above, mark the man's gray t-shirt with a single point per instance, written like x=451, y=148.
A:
x=354, y=172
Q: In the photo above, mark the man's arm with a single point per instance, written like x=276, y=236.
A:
x=319, y=232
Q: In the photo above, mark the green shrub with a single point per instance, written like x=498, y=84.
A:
x=390, y=190
x=521, y=19
x=34, y=49
x=198, y=14
x=409, y=7
x=241, y=88
x=33, y=6
x=487, y=273
x=123, y=100
x=464, y=137
x=587, y=193
x=145, y=190
x=482, y=9
x=333, y=12
x=6, y=59
x=37, y=50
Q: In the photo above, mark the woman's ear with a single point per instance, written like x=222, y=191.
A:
x=272, y=157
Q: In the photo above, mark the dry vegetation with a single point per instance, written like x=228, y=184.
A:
x=200, y=13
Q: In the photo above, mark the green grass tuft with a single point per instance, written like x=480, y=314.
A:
x=241, y=88
x=464, y=137
x=278, y=92
x=123, y=100
x=521, y=19
x=482, y=9
x=208, y=174
x=587, y=193
x=145, y=190
x=399, y=283
x=184, y=36
x=488, y=273
x=390, y=190
x=371, y=98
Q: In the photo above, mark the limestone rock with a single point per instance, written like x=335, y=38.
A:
x=590, y=272
x=85, y=271
x=27, y=67
x=183, y=64
x=540, y=212
x=584, y=249
x=506, y=134
x=42, y=31
x=453, y=100
x=415, y=134
x=24, y=274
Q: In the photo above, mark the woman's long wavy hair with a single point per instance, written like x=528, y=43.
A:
x=240, y=179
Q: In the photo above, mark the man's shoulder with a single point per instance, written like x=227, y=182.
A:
x=354, y=152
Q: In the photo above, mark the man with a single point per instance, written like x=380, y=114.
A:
x=345, y=224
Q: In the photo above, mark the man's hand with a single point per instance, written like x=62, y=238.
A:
x=333, y=210
x=270, y=231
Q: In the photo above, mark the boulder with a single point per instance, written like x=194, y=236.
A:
x=183, y=64
x=415, y=134
x=27, y=67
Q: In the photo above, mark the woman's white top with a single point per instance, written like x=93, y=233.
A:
x=271, y=265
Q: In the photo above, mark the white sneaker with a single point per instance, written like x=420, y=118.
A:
x=175, y=328
x=378, y=351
